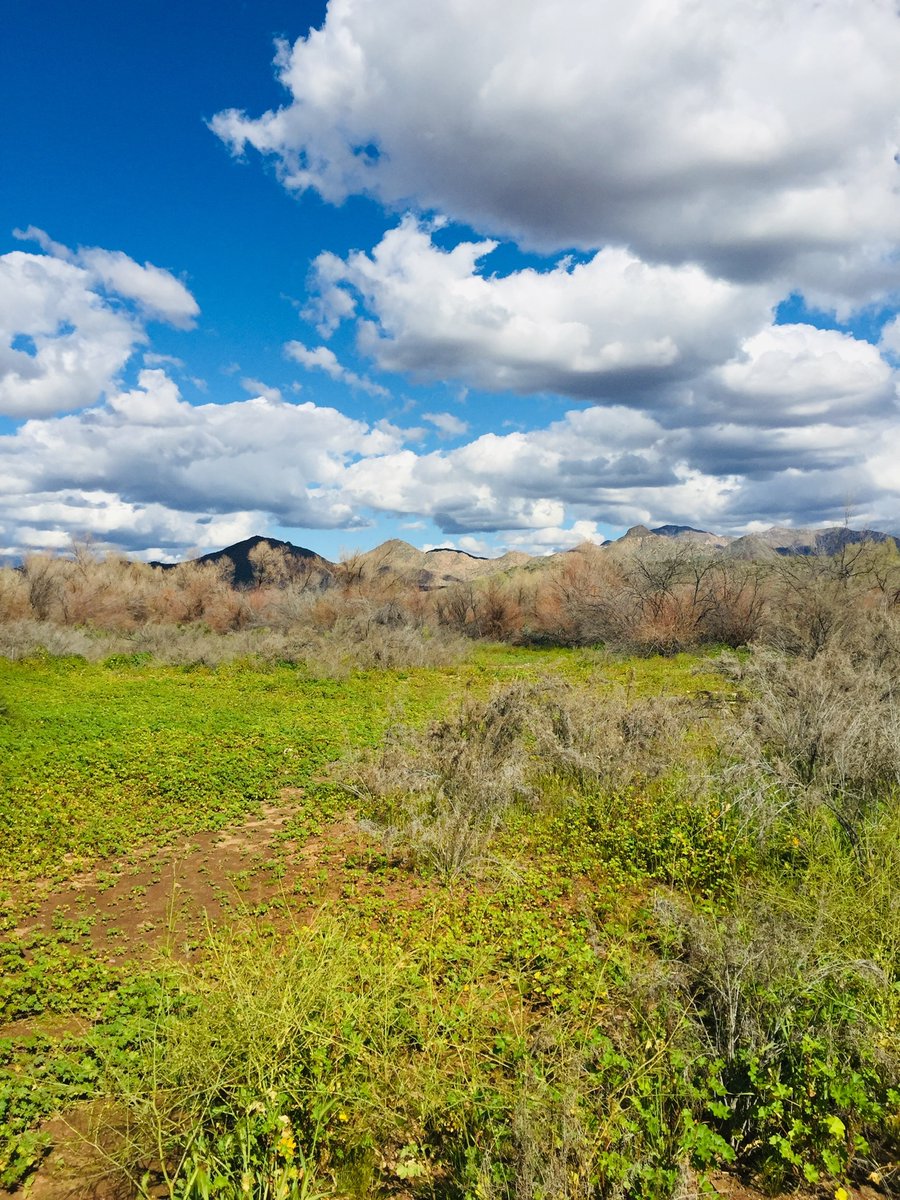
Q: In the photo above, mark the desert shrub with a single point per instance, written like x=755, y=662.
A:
x=170, y=644
x=663, y=590
x=873, y=637
x=824, y=601
x=581, y=601
x=382, y=638
x=593, y=736
x=351, y=645
x=442, y=794
x=498, y=615
x=795, y=1030
x=14, y=605
x=195, y=644
x=44, y=580
x=650, y=600
x=817, y=732
x=179, y=645
x=733, y=601
x=489, y=608
x=104, y=591
x=21, y=639
x=454, y=607
x=292, y=607
x=200, y=592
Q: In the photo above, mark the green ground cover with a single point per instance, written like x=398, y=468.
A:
x=100, y=758
x=567, y=957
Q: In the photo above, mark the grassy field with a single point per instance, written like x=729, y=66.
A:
x=541, y=924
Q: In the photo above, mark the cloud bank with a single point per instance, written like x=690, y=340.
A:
x=755, y=138
x=148, y=469
x=594, y=330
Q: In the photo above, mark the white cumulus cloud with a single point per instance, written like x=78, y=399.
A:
x=799, y=374
x=65, y=334
x=322, y=358
x=157, y=292
x=61, y=345
x=754, y=136
x=446, y=423
x=151, y=451
x=603, y=328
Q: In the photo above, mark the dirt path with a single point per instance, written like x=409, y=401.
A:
x=173, y=896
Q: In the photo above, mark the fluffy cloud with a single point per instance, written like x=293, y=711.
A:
x=65, y=333
x=796, y=374
x=153, y=531
x=446, y=424
x=608, y=328
x=324, y=359
x=592, y=462
x=583, y=469
x=257, y=388
x=61, y=346
x=797, y=423
x=155, y=291
x=146, y=468
x=146, y=451
x=755, y=137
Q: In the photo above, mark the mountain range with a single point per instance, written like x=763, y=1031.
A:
x=258, y=560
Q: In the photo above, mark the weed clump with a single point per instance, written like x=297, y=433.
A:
x=821, y=732
x=332, y=1066
x=789, y=1028
x=286, y=1071
x=441, y=794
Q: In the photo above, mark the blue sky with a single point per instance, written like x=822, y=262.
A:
x=496, y=278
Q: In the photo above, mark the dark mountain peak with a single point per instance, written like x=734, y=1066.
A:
x=835, y=539
x=258, y=539
x=296, y=560
x=830, y=540
x=676, y=530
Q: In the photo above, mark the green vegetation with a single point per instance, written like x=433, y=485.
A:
x=535, y=924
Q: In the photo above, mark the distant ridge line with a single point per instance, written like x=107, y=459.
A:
x=443, y=566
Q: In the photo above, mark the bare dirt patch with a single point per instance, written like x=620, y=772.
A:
x=170, y=897
x=76, y=1168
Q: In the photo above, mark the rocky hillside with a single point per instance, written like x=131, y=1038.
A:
x=260, y=560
